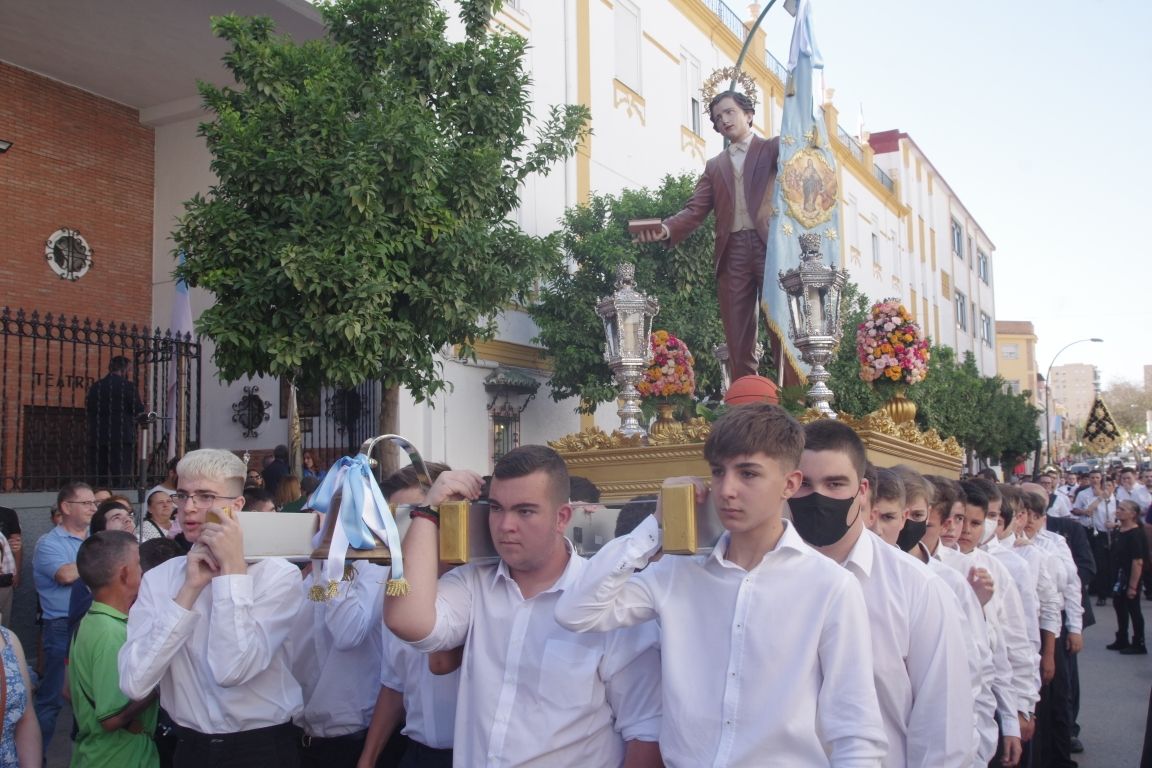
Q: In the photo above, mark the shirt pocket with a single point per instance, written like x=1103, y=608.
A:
x=568, y=673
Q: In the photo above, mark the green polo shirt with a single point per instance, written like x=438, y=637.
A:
x=95, y=684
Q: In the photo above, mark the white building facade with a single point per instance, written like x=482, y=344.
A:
x=638, y=65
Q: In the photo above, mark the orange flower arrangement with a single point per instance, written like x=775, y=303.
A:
x=670, y=373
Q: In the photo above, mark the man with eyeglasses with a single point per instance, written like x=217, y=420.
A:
x=54, y=569
x=210, y=630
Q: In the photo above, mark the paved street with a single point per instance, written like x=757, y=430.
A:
x=1114, y=697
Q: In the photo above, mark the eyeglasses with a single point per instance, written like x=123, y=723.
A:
x=92, y=503
x=202, y=498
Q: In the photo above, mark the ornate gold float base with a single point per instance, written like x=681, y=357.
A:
x=624, y=467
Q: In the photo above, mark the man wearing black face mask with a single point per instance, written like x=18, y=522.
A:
x=920, y=660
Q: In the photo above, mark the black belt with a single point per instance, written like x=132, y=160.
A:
x=307, y=741
x=193, y=736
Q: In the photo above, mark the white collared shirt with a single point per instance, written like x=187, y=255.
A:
x=1083, y=500
x=222, y=667
x=767, y=667
x=981, y=665
x=1060, y=506
x=1048, y=593
x=1067, y=578
x=1025, y=581
x=1138, y=494
x=920, y=661
x=1009, y=621
x=335, y=648
x=533, y=693
x=429, y=700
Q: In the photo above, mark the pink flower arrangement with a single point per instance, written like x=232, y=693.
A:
x=890, y=346
x=670, y=372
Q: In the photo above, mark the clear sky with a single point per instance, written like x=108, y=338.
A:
x=1039, y=116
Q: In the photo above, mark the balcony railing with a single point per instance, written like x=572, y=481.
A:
x=851, y=143
x=728, y=17
x=776, y=67
x=883, y=178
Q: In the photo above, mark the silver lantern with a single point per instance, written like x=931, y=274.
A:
x=813, y=291
x=627, y=316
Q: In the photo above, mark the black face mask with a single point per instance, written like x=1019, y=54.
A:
x=820, y=519
x=911, y=534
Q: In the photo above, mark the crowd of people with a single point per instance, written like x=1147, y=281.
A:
x=850, y=615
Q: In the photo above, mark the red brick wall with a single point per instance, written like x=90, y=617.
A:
x=82, y=162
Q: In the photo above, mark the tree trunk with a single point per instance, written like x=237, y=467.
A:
x=295, y=443
x=389, y=423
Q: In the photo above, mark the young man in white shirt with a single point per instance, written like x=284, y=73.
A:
x=532, y=693
x=409, y=691
x=210, y=630
x=1130, y=490
x=921, y=663
x=923, y=504
x=1054, y=713
x=763, y=642
x=1012, y=611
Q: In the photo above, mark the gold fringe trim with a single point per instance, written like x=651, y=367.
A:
x=397, y=588
x=782, y=334
x=316, y=593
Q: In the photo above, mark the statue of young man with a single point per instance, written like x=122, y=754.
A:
x=738, y=185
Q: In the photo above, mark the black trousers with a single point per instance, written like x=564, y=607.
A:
x=272, y=747
x=1052, y=745
x=1128, y=608
x=1105, y=575
x=421, y=756
x=335, y=752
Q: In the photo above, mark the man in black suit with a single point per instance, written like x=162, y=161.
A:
x=277, y=469
x=1074, y=533
x=112, y=406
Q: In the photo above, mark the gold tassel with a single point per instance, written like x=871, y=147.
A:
x=316, y=593
x=397, y=588
x=333, y=590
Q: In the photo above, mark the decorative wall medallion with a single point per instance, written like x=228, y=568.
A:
x=68, y=254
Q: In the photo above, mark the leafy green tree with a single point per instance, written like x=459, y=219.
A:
x=359, y=222
x=1128, y=403
x=595, y=240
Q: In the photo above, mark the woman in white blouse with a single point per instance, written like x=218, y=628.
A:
x=158, y=522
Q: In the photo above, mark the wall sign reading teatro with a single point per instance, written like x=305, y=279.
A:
x=68, y=254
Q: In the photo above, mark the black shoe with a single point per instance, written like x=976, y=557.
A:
x=1101, y=601
x=1119, y=645
x=1077, y=746
x=1135, y=650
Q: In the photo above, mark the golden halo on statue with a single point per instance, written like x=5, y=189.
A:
x=718, y=82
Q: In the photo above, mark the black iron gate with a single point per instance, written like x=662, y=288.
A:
x=335, y=421
x=64, y=416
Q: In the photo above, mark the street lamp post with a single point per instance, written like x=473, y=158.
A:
x=1048, y=389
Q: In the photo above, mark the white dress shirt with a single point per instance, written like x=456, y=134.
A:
x=1067, y=578
x=1025, y=581
x=1138, y=494
x=1048, y=598
x=981, y=666
x=919, y=657
x=533, y=693
x=429, y=700
x=1082, y=502
x=1060, y=506
x=767, y=667
x=222, y=667
x=1015, y=658
x=335, y=649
